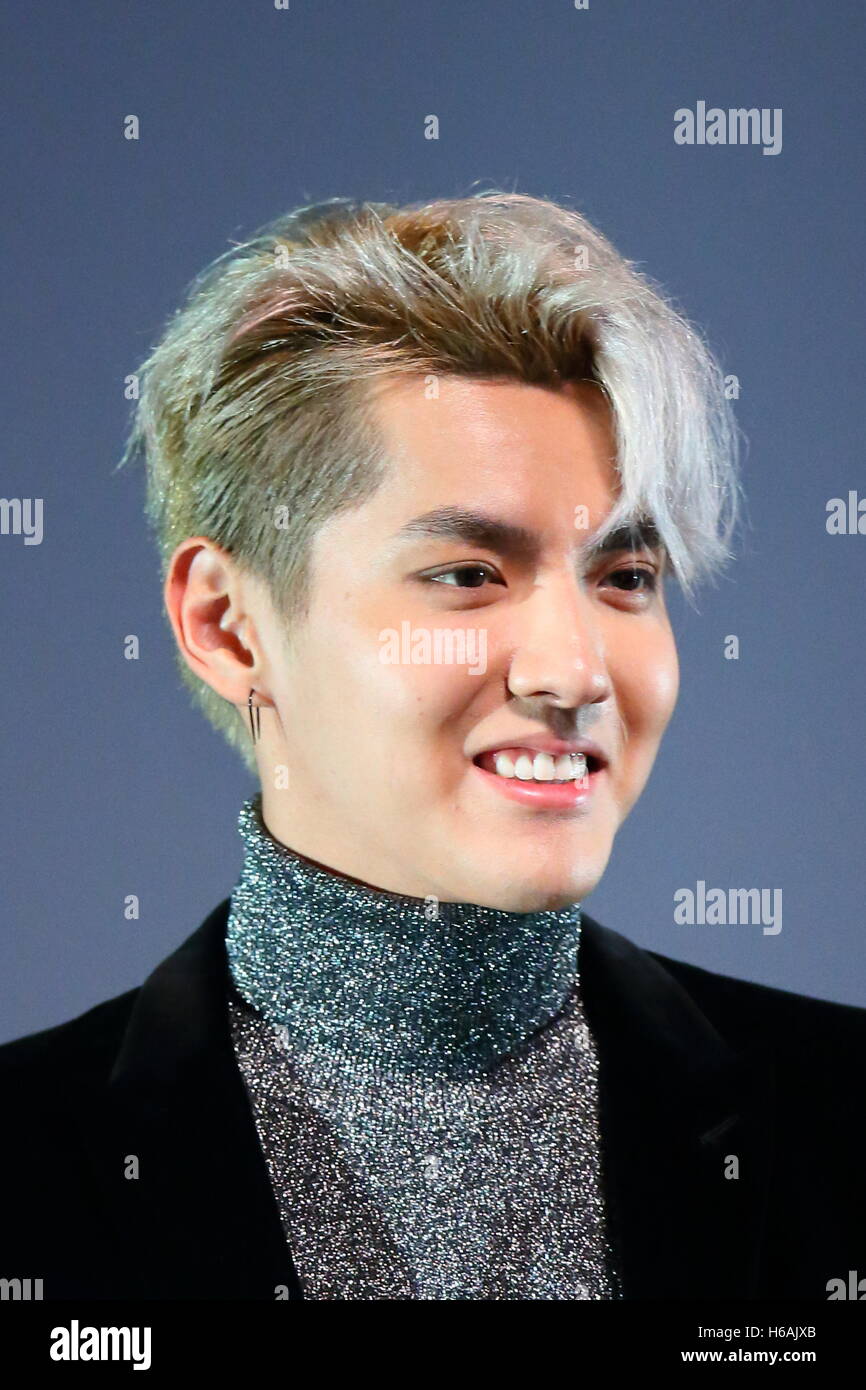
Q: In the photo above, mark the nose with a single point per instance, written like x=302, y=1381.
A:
x=559, y=655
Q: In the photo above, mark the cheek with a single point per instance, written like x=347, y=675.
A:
x=663, y=684
x=647, y=687
x=425, y=700
x=379, y=685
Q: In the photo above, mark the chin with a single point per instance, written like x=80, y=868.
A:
x=534, y=892
x=538, y=879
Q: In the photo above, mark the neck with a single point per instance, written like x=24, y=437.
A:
x=359, y=976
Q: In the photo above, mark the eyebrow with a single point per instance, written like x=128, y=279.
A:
x=519, y=542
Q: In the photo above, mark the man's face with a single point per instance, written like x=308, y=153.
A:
x=381, y=749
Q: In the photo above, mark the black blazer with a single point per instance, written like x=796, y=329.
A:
x=695, y=1067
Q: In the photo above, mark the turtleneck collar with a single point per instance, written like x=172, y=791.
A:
x=357, y=976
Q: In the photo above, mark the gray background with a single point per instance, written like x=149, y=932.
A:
x=112, y=783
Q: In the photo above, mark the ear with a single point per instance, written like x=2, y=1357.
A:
x=206, y=601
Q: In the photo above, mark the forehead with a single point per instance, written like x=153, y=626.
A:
x=495, y=444
x=497, y=465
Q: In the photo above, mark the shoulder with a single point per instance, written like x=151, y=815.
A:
x=752, y=1013
x=628, y=980
x=81, y=1049
x=86, y=1047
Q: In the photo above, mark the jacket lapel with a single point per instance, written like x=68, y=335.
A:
x=200, y=1218
x=677, y=1107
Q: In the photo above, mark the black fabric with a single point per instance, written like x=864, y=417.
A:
x=694, y=1067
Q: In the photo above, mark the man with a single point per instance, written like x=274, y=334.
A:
x=419, y=476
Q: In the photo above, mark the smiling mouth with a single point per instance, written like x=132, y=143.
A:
x=524, y=765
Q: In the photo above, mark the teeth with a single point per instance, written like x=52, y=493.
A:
x=525, y=768
x=542, y=767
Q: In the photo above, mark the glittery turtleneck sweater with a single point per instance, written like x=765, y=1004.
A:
x=423, y=1082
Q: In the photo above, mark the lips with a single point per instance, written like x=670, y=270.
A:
x=563, y=763
x=569, y=791
x=596, y=758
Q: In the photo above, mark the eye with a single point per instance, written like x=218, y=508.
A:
x=636, y=573
x=474, y=576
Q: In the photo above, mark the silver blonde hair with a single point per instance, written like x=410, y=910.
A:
x=257, y=397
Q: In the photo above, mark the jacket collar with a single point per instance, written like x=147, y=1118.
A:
x=674, y=1098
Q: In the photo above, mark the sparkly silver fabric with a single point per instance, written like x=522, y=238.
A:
x=424, y=1086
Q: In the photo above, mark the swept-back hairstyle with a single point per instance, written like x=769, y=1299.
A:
x=254, y=412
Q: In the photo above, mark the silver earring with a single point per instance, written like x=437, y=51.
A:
x=255, y=713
